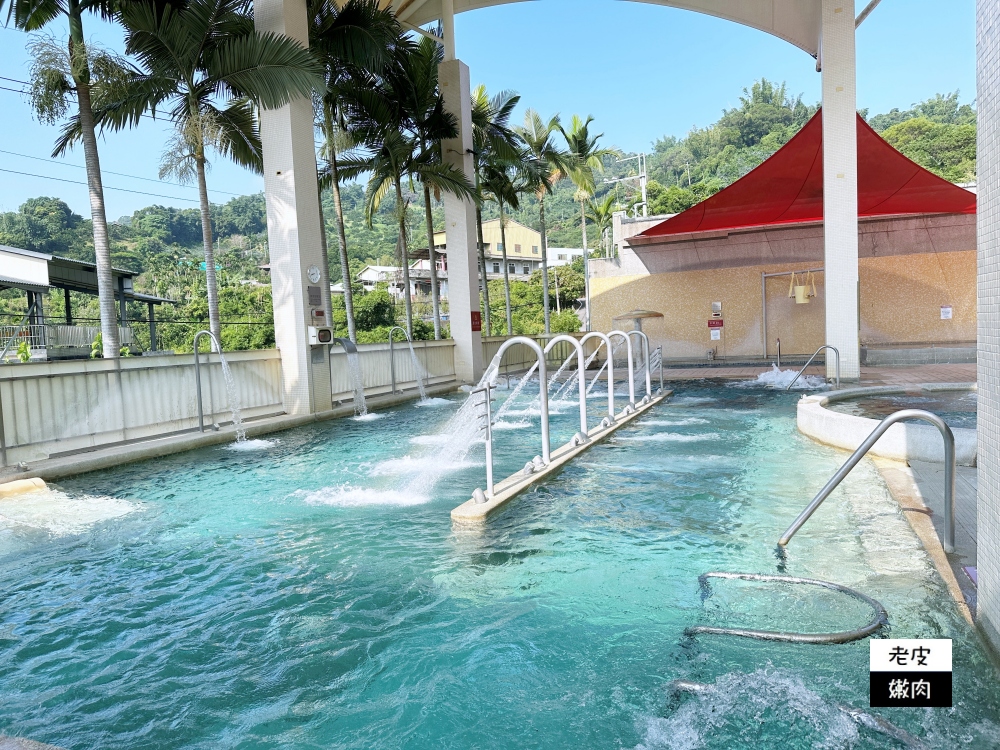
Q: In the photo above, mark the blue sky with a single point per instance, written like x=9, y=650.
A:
x=642, y=71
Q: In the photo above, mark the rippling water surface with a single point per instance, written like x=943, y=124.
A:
x=306, y=594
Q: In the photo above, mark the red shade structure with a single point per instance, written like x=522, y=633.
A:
x=788, y=188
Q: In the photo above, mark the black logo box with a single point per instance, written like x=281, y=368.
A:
x=940, y=689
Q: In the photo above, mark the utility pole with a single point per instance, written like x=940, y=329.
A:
x=641, y=177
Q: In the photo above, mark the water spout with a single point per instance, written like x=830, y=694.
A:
x=418, y=370
x=231, y=393
x=354, y=367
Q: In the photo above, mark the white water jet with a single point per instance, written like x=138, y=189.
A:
x=597, y=377
x=234, y=401
x=418, y=371
x=568, y=385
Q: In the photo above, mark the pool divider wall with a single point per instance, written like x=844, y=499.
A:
x=116, y=454
x=901, y=442
x=471, y=513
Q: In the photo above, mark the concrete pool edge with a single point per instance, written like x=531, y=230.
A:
x=904, y=490
x=106, y=457
x=472, y=514
x=901, y=441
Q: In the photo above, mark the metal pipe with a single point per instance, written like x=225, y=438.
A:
x=631, y=368
x=392, y=357
x=17, y=333
x=645, y=350
x=543, y=391
x=843, y=471
x=879, y=620
x=660, y=362
x=197, y=374
x=606, y=341
x=486, y=390
x=779, y=354
x=816, y=354
x=582, y=436
x=866, y=12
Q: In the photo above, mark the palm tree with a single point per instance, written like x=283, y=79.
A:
x=398, y=139
x=493, y=142
x=601, y=213
x=586, y=158
x=55, y=78
x=208, y=67
x=416, y=85
x=548, y=165
x=353, y=43
x=503, y=183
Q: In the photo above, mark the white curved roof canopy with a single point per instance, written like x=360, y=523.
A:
x=795, y=21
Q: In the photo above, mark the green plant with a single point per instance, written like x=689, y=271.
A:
x=97, y=347
x=24, y=351
x=125, y=352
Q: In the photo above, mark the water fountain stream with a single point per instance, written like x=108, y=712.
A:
x=354, y=367
x=231, y=394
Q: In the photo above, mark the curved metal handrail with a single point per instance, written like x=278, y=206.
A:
x=392, y=356
x=543, y=391
x=645, y=356
x=606, y=342
x=543, y=384
x=843, y=471
x=880, y=619
x=816, y=354
x=197, y=373
x=659, y=361
x=631, y=366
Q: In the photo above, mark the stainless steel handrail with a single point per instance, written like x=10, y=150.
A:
x=779, y=354
x=606, y=341
x=543, y=391
x=834, y=349
x=487, y=391
x=659, y=362
x=645, y=356
x=392, y=356
x=880, y=619
x=581, y=437
x=843, y=471
x=197, y=373
x=631, y=367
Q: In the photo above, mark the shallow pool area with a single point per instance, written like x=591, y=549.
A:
x=957, y=408
x=311, y=591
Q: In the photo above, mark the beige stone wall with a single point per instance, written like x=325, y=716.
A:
x=901, y=299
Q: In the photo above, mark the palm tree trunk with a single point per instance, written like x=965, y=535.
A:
x=404, y=256
x=545, y=266
x=482, y=273
x=324, y=252
x=214, y=323
x=432, y=257
x=586, y=266
x=338, y=209
x=102, y=248
x=506, y=275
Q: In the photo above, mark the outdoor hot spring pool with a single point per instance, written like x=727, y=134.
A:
x=957, y=408
x=310, y=591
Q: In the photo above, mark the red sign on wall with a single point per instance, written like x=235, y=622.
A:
x=715, y=323
x=477, y=320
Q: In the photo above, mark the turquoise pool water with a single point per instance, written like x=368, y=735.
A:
x=312, y=593
x=957, y=408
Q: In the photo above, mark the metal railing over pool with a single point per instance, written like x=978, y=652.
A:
x=843, y=471
x=880, y=617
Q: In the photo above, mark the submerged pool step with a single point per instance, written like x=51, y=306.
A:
x=473, y=513
x=879, y=620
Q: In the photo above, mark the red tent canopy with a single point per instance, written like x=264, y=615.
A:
x=788, y=188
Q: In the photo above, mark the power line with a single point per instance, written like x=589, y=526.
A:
x=118, y=174
x=106, y=187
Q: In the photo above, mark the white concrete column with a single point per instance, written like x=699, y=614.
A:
x=840, y=186
x=988, y=356
x=460, y=228
x=293, y=227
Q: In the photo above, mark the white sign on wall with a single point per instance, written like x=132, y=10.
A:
x=716, y=334
x=945, y=312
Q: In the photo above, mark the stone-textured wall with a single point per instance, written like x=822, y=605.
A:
x=988, y=43
x=901, y=299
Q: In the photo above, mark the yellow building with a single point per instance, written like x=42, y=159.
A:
x=524, y=250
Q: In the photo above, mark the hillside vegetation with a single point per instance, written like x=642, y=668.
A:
x=164, y=244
